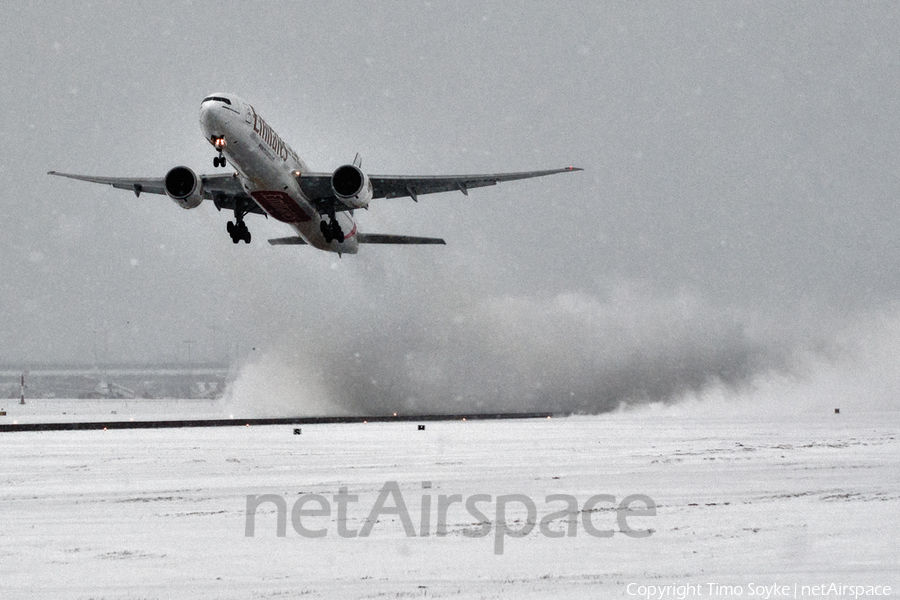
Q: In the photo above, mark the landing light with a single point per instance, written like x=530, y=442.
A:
x=219, y=143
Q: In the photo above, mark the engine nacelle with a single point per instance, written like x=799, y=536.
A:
x=351, y=186
x=184, y=187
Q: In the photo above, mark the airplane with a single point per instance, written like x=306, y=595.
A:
x=270, y=179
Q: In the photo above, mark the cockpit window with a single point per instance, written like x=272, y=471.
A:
x=217, y=98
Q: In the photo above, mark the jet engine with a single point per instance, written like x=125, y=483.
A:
x=184, y=187
x=351, y=186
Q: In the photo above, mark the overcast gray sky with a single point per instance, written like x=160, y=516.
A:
x=738, y=204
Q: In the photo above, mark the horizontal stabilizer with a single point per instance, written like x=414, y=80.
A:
x=378, y=238
x=366, y=238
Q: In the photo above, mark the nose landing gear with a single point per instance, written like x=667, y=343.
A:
x=219, y=143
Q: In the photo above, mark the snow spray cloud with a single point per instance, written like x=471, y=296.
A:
x=567, y=353
x=276, y=384
x=858, y=369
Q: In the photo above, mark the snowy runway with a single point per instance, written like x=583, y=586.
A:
x=741, y=503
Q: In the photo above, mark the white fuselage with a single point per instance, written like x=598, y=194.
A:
x=268, y=169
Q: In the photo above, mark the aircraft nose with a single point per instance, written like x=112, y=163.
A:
x=209, y=120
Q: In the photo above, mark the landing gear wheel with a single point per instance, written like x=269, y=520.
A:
x=332, y=231
x=238, y=229
x=219, y=161
x=238, y=232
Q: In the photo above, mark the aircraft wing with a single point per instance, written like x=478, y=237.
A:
x=317, y=186
x=224, y=190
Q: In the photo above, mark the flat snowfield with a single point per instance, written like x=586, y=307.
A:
x=714, y=507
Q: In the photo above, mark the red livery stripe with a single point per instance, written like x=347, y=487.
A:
x=281, y=206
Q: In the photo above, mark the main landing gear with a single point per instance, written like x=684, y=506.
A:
x=332, y=231
x=238, y=230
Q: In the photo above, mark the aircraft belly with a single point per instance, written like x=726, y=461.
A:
x=257, y=172
x=288, y=205
x=281, y=206
x=270, y=183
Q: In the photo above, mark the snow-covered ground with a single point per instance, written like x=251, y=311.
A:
x=60, y=410
x=742, y=501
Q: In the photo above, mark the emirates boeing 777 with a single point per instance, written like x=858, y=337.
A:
x=269, y=178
